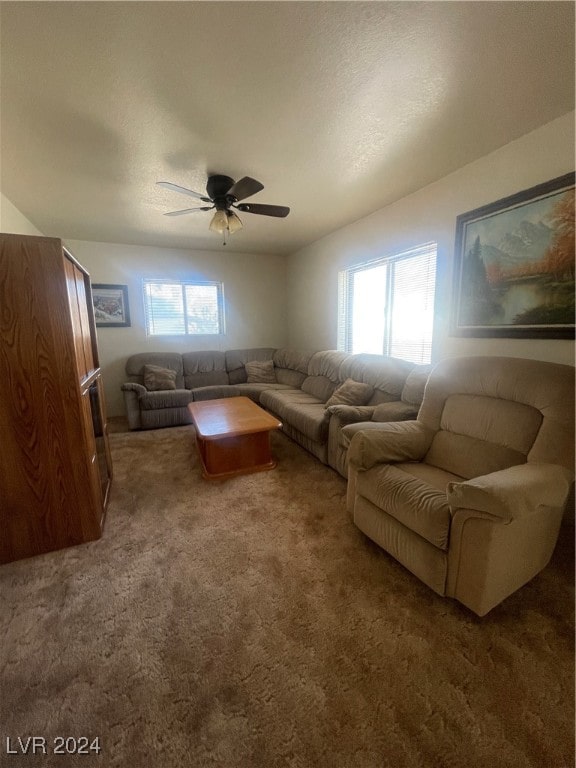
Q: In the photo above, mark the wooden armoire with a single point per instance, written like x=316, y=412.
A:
x=55, y=465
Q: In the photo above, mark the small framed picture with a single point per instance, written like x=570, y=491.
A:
x=111, y=308
x=514, y=265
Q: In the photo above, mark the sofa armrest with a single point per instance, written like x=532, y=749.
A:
x=350, y=414
x=132, y=393
x=514, y=492
x=395, y=411
x=392, y=442
x=131, y=386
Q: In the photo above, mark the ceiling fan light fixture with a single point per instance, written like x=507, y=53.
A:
x=223, y=194
x=234, y=222
x=219, y=222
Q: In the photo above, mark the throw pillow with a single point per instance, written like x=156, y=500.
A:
x=157, y=378
x=260, y=372
x=351, y=393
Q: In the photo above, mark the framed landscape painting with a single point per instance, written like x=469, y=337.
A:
x=514, y=265
x=111, y=308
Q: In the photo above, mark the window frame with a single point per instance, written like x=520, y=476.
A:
x=345, y=336
x=218, y=284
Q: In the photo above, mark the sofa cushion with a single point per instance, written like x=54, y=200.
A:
x=324, y=374
x=351, y=393
x=480, y=434
x=157, y=378
x=254, y=391
x=303, y=412
x=546, y=387
x=415, y=496
x=413, y=390
x=328, y=363
x=381, y=396
x=215, y=392
x=319, y=387
x=310, y=419
x=236, y=360
x=291, y=366
x=135, y=365
x=290, y=378
x=386, y=374
x=175, y=398
x=203, y=369
x=276, y=400
x=293, y=359
x=260, y=372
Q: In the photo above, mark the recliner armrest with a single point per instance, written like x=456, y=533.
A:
x=394, y=441
x=131, y=386
x=513, y=492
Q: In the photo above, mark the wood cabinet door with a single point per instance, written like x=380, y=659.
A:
x=71, y=286
x=81, y=280
x=97, y=440
x=91, y=453
x=79, y=313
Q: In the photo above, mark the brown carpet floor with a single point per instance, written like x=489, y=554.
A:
x=248, y=623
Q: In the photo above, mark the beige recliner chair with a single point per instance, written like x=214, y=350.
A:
x=470, y=496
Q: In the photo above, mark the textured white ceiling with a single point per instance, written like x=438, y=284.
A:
x=338, y=108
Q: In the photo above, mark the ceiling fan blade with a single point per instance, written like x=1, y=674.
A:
x=245, y=188
x=183, y=190
x=264, y=210
x=189, y=210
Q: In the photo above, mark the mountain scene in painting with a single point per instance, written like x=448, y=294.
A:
x=518, y=266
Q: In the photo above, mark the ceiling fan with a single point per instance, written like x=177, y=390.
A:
x=224, y=194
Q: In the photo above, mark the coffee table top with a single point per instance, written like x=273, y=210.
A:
x=230, y=416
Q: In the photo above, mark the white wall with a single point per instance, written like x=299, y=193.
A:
x=430, y=215
x=254, y=295
x=13, y=222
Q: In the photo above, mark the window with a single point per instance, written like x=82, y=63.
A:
x=183, y=308
x=387, y=306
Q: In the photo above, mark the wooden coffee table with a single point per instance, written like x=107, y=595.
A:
x=233, y=436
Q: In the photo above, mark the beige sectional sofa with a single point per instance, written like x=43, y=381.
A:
x=299, y=394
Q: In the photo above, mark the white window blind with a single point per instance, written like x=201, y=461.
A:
x=183, y=308
x=387, y=306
